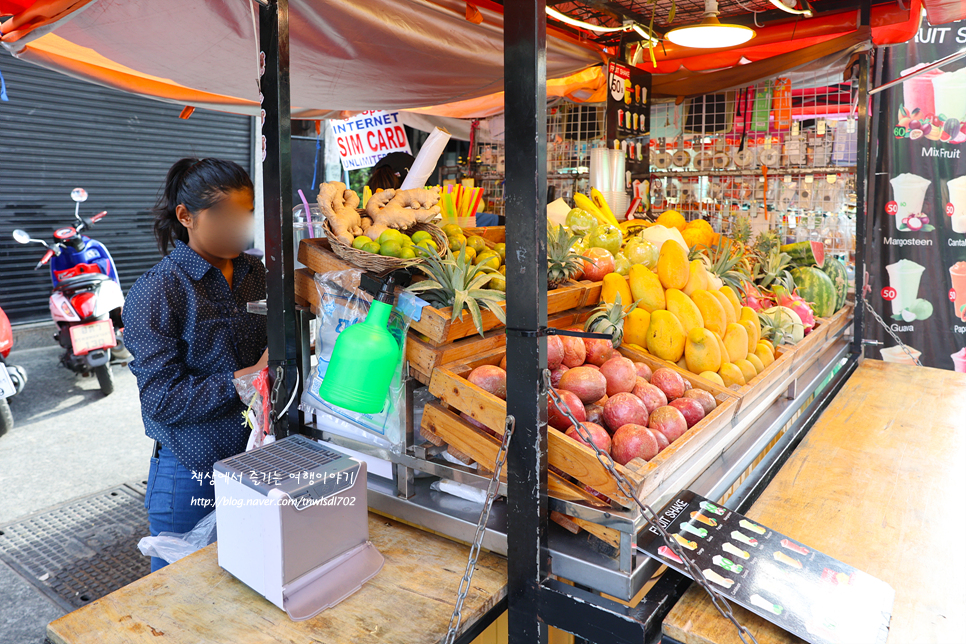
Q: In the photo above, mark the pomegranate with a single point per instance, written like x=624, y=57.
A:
x=670, y=382
x=598, y=435
x=556, y=373
x=650, y=395
x=643, y=371
x=622, y=409
x=669, y=421
x=574, y=351
x=589, y=384
x=490, y=378
x=555, y=352
x=555, y=417
x=633, y=441
x=704, y=397
x=620, y=374
x=598, y=351
x=690, y=408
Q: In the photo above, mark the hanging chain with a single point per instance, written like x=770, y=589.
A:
x=273, y=399
x=882, y=323
x=491, y=490
x=720, y=603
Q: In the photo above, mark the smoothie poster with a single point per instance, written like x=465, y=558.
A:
x=917, y=232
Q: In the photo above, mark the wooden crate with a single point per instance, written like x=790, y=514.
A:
x=451, y=387
x=494, y=234
x=424, y=357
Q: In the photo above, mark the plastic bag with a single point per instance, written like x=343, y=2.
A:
x=253, y=391
x=343, y=303
x=172, y=546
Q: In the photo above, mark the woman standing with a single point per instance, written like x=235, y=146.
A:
x=187, y=324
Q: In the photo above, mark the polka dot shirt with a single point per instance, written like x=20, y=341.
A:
x=189, y=332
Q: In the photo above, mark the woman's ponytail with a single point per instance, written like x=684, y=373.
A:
x=167, y=228
x=197, y=184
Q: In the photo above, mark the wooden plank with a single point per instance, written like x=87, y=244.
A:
x=195, y=596
x=871, y=484
x=495, y=234
x=316, y=254
x=306, y=292
x=763, y=382
x=579, y=461
x=610, y=536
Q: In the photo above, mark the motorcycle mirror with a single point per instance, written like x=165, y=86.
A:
x=78, y=195
x=21, y=236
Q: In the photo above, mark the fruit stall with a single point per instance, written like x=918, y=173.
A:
x=630, y=358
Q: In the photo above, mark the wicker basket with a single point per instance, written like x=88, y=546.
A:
x=381, y=263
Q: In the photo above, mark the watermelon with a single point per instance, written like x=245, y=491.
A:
x=816, y=288
x=835, y=269
x=806, y=253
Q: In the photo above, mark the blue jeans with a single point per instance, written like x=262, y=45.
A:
x=169, y=495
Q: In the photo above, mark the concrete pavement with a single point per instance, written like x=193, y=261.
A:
x=68, y=441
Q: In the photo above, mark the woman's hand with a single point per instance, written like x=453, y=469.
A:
x=255, y=368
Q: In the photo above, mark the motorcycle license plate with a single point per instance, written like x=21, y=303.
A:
x=85, y=338
x=6, y=385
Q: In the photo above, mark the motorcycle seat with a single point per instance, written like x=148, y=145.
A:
x=81, y=282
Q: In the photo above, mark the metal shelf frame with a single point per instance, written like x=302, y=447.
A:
x=535, y=598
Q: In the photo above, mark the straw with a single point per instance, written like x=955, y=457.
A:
x=308, y=211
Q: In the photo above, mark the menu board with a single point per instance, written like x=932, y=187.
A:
x=629, y=121
x=792, y=585
x=917, y=208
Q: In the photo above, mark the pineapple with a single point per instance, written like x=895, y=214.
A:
x=562, y=262
x=727, y=263
x=609, y=319
x=774, y=270
x=456, y=282
x=741, y=230
x=766, y=242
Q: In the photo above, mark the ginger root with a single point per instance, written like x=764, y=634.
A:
x=339, y=204
x=401, y=209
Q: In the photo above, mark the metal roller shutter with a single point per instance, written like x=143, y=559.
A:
x=58, y=133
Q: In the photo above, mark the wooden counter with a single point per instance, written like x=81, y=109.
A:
x=880, y=483
x=409, y=602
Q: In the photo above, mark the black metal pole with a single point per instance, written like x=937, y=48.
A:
x=862, y=164
x=283, y=340
x=525, y=83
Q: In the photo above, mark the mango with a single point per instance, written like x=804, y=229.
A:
x=635, y=327
x=681, y=305
x=771, y=347
x=729, y=310
x=665, y=336
x=713, y=377
x=616, y=284
x=646, y=288
x=712, y=312
x=747, y=369
x=701, y=351
x=736, y=340
x=754, y=360
x=682, y=362
x=721, y=347
x=748, y=313
x=672, y=265
x=698, y=278
x=763, y=353
x=753, y=332
x=731, y=375
x=734, y=299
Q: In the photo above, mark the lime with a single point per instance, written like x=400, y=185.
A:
x=428, y=244
x=405, y=240
x=360, y=241
x=420, y=235
x=372, y=247
x=497, y=284
x=500, y=250
x=452, y=229
x=488, y=259
x=391, y=248
x=457, y=240
x=476, y=243
x=389, y=235
x=407, y=253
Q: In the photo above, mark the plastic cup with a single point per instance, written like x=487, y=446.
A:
x=957, y=274
x=919, y=91
x=904, y=277
x=909, y=191
x=950, y=92
x=959, y=360
x=898, y=356
x=957, y=197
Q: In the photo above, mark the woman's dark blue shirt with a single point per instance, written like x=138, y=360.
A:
x=189, y=332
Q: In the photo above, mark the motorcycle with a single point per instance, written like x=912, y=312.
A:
x=86, y=300
x=12, y=377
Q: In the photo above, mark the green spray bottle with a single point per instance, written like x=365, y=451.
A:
x=366, y=355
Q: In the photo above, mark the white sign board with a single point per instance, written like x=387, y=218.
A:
x=366, y=138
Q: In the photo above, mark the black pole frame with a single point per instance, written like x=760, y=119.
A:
x=534, y=599
x=864, y=173
x=284, y=349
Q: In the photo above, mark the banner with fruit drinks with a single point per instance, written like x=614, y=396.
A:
x=917, y=238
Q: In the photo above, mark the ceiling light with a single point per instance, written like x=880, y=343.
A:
x=807, y=11
x=710, y=33
x=580, y=24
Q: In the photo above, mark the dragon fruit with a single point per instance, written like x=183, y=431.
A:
x=795, y=302
x=755, y=299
